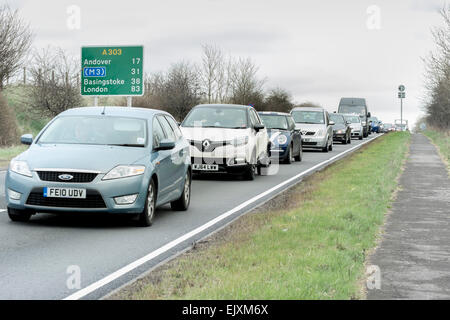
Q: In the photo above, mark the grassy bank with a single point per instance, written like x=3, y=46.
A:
x=6, y=154
x=442, y=140
x=311, y=243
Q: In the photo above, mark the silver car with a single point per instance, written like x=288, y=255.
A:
x=315, y=126
x=355, y=123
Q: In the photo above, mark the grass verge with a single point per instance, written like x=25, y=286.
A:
x=6, y=154
x=442, y=140
x=308, y=243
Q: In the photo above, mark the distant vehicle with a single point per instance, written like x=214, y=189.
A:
x=359, y=107
x=388, y=127
x=285, y=139
x=315, y=126
x=226, y=139
x=356, y=126
x=94, y=160
x=399, y=126
x=375, y=124
x=341, y=128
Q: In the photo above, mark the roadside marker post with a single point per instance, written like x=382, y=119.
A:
x=401, y=96
x=112, y=71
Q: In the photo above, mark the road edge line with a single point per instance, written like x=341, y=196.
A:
x=137, y=263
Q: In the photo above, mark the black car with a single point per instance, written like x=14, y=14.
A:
x=341, y=129
x=285, y=140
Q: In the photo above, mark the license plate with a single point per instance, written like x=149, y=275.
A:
x=68, y=193
x=205, y=167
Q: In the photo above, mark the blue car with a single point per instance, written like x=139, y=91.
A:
x=102, y=160
x=285, y=139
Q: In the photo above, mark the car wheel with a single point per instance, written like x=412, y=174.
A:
x=349, y=139
x=360, y=138
x=249, y=174
x=288, y=159
x=146, y=217
x=299, y=157
x=19, y=215
x=182, y=203
x=344, y=141
x=331, y=147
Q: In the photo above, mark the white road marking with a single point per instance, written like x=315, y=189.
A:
x=117, y=274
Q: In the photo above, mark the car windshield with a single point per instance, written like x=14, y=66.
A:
x=274, y=121
x=336, y=118
x=96, y=130
x=312, y=117
x=353, y=119
x=216, y=117
x=360, y=110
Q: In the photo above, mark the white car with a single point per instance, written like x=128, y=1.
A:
x=354, y=121
x=226, y=138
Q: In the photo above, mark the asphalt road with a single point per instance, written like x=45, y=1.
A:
x=110, y=251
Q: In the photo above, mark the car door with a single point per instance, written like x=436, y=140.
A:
x=295, y=134
x=329, y=127
x=180, y=154
x=162, y=162
x=261, y=135
x=176, y=162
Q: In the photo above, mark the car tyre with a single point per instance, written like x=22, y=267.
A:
x=182, y=203
x=17, y=215
x=299, y=157
x=146, y=217
x=288, y=159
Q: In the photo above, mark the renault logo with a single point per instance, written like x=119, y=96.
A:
x=206, y=144
x=304, y=132
x=65, y=177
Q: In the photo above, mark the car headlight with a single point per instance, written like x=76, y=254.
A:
x=240, y=141
x=282, y=139
x=340, y=131
x=319, y=133
x=20, y=167
x=124, y=172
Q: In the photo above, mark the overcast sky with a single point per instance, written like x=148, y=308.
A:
x=319, y=51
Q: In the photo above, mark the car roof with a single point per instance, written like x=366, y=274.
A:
x=352, y=101
x=223, y=105
x=113, y=111
x=308, y=109
x=273, y=113
x=349, y=114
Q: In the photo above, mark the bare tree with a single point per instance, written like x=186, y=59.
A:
x=8, y=124
x=246, y=88
x=437, y=66
x=277, y=100
x=55, y=76
x=212, y=72
x=15, y=41
x=182, y=89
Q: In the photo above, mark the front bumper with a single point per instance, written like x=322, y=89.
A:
x=225, y=165
x=339, y=136
x=314, y=142
x=100, y=194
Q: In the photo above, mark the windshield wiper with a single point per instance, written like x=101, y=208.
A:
x=126, y=145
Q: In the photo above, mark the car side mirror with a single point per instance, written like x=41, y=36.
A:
x=347, y=122
x=369, y=115
x=332, y=123
x=165, y=144
x=26, y=139
x=258, y=127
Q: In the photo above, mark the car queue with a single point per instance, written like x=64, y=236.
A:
x=133, y=160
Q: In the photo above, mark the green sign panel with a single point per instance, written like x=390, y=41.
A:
x=112, y=71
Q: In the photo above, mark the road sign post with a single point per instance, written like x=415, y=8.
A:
x=112, y=71
x=401, y=95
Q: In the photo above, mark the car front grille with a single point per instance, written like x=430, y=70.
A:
x=309, y=143
x=93, y=200
x=208, y=146
x=310, y=133
x=77, y=177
